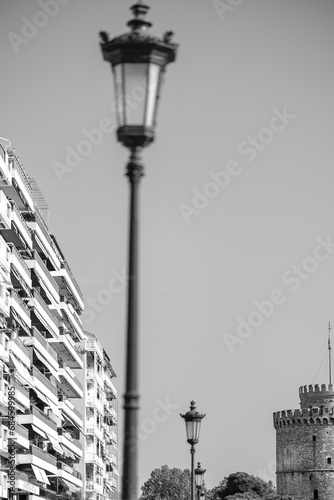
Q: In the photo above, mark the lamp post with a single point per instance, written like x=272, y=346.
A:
x=199, y=480
x=138, y=60
x=193, y=421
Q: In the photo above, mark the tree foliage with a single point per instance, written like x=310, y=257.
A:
x=243, y=486
x=167, y=484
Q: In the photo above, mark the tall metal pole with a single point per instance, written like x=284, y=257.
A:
x=192, y=451
x=131, y=396
x=329, y=352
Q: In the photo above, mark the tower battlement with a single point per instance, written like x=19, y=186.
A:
x=304, y=416
x=316, y=388
x=316, y=395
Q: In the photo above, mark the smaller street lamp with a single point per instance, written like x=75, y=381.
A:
x=193, y=421
x=199, y=480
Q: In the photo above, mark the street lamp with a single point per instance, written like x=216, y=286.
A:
x=199, y=480
x=193, y=421
x=138, y=60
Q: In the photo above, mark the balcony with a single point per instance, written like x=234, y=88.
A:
x=68, y=285
x=92, y=428
x=69, y=474
x=4, y=254
x=110, y=386
x=72, y=320
x=92, y=457
x=18, y=232
x=4, y=301
x=44, y=275
x=65, y=347
x=4, y=347
x=38, y=457
x=21, y=436
x=19, y=266
x=42, y=346
x=43, y=315
x=5, y=212
x=96, y=485
x=92, y=373
x=5, y=168
x=43, y=240
x=44, y=385
x=70, y=384
x=23, y=482
x=20, y=308
x=93, y=400
x=4, y=440
x=19, y=189
x=4, y=484
x=93, y=345
x=40, y=420
x=72, y=444
x=21, y=394
x=71, y=412
x=3, y=393
x=21, y=351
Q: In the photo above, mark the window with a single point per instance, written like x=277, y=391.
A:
x=315, y=495
x=314, y=438
x=329, y=460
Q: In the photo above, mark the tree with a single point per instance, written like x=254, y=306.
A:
x=167, y=484
x=241, y=485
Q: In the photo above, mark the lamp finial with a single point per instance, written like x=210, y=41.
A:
x=139, y=23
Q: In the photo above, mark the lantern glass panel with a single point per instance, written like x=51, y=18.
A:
x=135, y=90
x=152, y=94
x=119, y=105
x=199, y=479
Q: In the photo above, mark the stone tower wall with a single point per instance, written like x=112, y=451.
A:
x=305, y=446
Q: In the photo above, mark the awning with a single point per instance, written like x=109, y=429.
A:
x=73, y=423
x=68, y=453
x=36, y=429
x=41, y=396
x=54, y=408
x=40, y=474
x=47, y=364
x=69, y=485
x=55, y=445
x=22, y=370
x=19, y=320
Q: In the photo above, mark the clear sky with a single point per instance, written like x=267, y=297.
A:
x=237, y=206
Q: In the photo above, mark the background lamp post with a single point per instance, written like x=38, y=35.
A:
x=138, y=60
x=199, y=480
x=193, y=421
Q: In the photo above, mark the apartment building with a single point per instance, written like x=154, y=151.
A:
x=40, y=358
x=100, y=422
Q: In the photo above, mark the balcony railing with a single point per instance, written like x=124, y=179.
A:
x=21, y=351
x=39, y=304
x=20, y=307
x=20, y=264
x=39, y=453
x=36, y=373
x=48, y=246
x=70, y=470
x=2, y=153
x=40, y=343
x=21, y=224
x=64, y=400
x=41, y=416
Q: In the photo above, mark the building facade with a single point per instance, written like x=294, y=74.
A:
x=41, y=429
x=305, y=446
x=100, y=423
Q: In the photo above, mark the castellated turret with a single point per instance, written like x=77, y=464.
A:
x=305, y=446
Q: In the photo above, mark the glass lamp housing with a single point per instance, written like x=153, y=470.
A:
x=138, y=62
